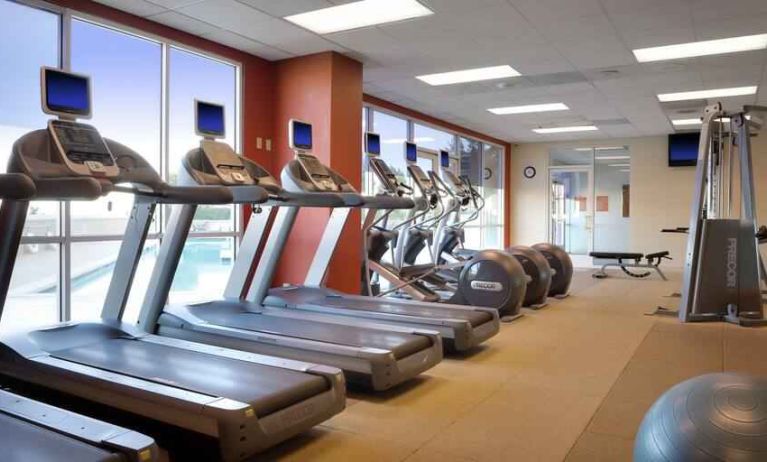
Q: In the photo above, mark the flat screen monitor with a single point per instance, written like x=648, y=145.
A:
x=373, y=144
x=209, y=119
x=444, y=159
x=300, y=135
x=683, y=149
x=65, y=94
x=411, y=152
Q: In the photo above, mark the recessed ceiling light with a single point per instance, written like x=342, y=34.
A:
x=579, y=128
x=704, y=48
x=358, y=14
x=686, y=122
x=529, y=108
x=469, y=75
x=612, y=157
x=705, y=94
x=700, y=122
x=602, y=148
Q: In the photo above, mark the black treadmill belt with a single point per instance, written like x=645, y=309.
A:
x=232, y=315
x=475, y=318
x=267, y=389
x=25, y=442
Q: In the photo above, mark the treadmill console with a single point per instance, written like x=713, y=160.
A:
x=317, y=173
x=226, y=163
x=81, y=147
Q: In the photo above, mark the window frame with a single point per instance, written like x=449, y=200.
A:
x=65, y=240
x=368, y=111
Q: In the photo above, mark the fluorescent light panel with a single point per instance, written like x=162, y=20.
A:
x=706, y=94
x=579, y=128
x=704, y=48
x=680, y=122
x=358, y=14
x=548, y=107
x=612, y=158
x=686, y=122
x=602, y=148
x=625, y=170
x=619, y=165
x=469, y=75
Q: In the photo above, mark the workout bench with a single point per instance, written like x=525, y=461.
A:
x=626, y=260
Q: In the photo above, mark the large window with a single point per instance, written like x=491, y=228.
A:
x=431, y=138
x=482, y=163
x=29, y=38
x=143, y=95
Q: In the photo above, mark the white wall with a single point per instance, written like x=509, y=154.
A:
x=660, y=196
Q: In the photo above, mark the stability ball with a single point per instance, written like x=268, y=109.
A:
x=713, y=417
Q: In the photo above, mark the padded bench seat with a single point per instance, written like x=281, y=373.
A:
x=618, y=255
x=628, y=260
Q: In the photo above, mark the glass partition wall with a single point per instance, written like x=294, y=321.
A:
x=482, y=163
x=143, y=91
x=589, y=200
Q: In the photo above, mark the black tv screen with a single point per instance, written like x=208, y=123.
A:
x=683, y=149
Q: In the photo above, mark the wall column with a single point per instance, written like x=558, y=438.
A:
x=325, y=90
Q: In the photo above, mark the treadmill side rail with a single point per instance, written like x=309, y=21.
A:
x=135, y=446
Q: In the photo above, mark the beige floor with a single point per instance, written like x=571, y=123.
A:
x=571, y=381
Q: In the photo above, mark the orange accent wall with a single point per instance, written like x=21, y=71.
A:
x=325, y=90
x=369, y=99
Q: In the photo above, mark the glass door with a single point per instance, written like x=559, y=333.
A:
x=570, y=223
x=589, y=200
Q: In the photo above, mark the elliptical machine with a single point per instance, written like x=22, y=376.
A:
x=489, y=278
x=462, y=199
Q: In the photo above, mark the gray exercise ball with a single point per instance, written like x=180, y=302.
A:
x=713, y=417
x=562, y=264
x=537, y=267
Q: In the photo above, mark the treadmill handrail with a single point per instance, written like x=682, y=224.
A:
x=308, y=199
x=387, y=202
x=16, y=186
x=195, y=195
x=69, y=188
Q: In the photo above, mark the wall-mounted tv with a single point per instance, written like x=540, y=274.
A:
x=683, y=149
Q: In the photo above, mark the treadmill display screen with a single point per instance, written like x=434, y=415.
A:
x=210, y=119
x=411, y=152
x=444, y=159
x=301, y=133
x=373, y=144
x=66, y=93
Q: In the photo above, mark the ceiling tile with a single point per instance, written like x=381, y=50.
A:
x=172, y=4
x=247, y=45
x=138, y=7
x=183, y=22
x=282, y=8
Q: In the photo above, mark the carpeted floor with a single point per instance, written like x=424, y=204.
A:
x=568, y=382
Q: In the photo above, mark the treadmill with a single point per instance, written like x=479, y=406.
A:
x=36, y=432
x=378, y=357
x=242, y=401
x=461, y=327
